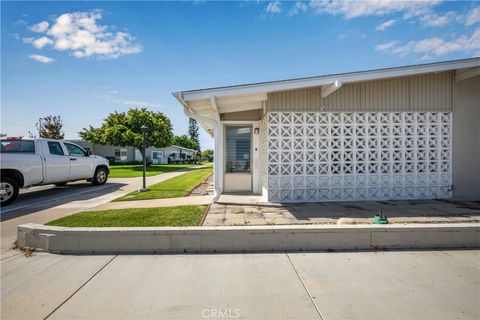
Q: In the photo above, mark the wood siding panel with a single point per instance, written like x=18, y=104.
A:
x=428, y=92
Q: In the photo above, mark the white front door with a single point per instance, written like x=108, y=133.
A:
x=238, y=158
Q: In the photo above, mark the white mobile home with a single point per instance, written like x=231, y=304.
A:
x=400, y=133
x=131, y=154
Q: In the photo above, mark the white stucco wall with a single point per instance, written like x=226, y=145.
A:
x=466, y=140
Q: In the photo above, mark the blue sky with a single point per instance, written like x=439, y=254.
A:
x=83, y=60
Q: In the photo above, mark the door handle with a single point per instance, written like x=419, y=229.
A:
x=73, y=159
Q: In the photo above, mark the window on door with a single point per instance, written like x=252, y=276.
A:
x=55, y=148
x=238, y=149
x=74, y=150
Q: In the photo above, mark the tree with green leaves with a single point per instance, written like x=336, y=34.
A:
x=193, y=132
x=208, y=153
x=50, y=127
x=184, y=141
x=124, y=129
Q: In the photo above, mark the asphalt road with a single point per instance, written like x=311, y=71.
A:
x=45, y=203
x=322, y=285
x=39, y=198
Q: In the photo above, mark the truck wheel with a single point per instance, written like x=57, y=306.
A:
x=8, y=191
x=100, y=177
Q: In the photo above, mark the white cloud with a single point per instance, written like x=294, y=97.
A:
x=79, y=33
x=42, y=42
x=351, y=9
x=40, y=58
x=274, y=7
x=434, y=20
x=420, y=10
x=386, y=46
x=39, y=27
x=111, y=96
x=384, y=25
x=298, y=7
x=473, y=16
x=435, y=46
x=136, y=103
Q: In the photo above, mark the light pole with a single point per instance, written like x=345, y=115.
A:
x=144, y=133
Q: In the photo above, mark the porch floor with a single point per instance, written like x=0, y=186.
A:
x=242, y=199
x=231, y=211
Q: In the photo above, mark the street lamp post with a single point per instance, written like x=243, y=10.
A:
x=144, y=133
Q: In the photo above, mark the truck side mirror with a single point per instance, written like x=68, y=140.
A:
x=88, y=153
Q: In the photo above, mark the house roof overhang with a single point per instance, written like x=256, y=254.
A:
x=206, y=105
x=183, y=148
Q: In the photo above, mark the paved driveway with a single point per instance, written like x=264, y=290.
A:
x=45, y=203
x=322, y=285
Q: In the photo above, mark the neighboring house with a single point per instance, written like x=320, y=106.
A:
x=161, y=155
x=400, y=133
x=130, y=154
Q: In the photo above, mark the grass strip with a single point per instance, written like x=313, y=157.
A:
x=179, y=186
x=178, y=216
x=134, y=170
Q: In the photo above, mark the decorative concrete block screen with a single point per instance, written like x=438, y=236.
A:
x=315, y=156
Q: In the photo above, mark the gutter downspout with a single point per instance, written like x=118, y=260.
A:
x=217, y=145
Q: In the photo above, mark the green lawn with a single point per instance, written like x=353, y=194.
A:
x=172, y=188
x=136, y=170
x=146, y=217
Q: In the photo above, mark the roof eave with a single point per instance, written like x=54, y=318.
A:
x=190, y=113
x=326, y=80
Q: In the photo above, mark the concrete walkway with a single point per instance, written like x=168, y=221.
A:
x=43, y=204
x=154, y=203
x=322, y=285
x=252, y=213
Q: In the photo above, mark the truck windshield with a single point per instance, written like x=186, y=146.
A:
x=14, y=146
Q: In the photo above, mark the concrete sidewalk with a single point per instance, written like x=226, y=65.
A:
x=320, y=285
x=167, y=202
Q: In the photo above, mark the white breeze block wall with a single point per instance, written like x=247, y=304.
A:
x=316, y=156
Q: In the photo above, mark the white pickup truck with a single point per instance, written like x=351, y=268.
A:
x=29, y=162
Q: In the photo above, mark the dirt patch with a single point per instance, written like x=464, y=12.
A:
x=202, y=188
x=27, y=251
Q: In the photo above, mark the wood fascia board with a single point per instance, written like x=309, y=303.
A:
x=266, y=87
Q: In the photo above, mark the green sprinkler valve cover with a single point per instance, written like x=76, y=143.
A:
x=380, y=218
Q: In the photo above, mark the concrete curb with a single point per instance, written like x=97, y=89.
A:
x=247, y=239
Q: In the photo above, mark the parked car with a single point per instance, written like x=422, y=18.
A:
x=29, y=162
